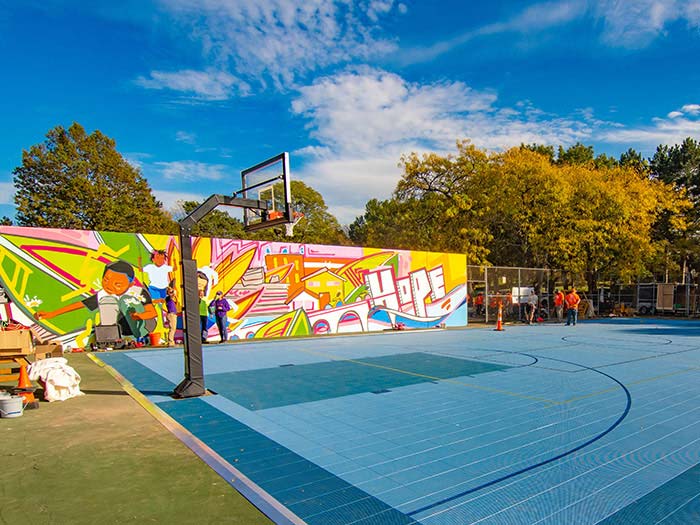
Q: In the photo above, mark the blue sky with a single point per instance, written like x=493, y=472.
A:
x=195, y=91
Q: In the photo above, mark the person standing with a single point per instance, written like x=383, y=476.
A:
x=572, y=301
x=171, y=313
x=220, y=307
x=479, y=303
x=532, y=300
x=559, y=304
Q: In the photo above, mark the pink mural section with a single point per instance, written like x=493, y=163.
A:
x=83, y=288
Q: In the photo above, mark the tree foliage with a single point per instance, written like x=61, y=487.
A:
x=216, y=223
x=317, y=226
x=79, y=180
x=521, y=208
x=596, y=217
x=679, y=165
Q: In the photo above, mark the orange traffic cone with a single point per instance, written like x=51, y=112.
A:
x=24, y=381
x=499, y=322
x=26, y=389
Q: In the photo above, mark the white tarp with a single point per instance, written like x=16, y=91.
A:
x=60, y=381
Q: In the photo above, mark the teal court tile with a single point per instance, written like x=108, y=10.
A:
x=283, y=386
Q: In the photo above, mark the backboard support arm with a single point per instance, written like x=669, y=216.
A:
x=193, y=383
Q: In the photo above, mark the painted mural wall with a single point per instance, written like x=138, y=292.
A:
x=64, y=283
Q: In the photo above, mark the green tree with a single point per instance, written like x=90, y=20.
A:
x=216, y=223
x=576, y=154
x=679, y=165
x=605, y=161
x=79, y=180
x=317, y=225
x=633, y=159
x=5, y=221
x=547, y=151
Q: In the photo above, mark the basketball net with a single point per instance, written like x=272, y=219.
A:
x=289, y=226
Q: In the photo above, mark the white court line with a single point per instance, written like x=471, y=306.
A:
x=664, y=408
x=623, y=477
x=569, y=480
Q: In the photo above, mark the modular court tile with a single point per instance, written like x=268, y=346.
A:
x=598, y=423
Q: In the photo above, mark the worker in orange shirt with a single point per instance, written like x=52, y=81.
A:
x=479, y=303
x=559, y=304
x=572, y=301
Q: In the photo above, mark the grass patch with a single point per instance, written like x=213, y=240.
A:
x=101, y=458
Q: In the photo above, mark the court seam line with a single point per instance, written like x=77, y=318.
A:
x=535, y=465
x=550, y=460
x=521, y=480
x=646, y=358
x=656, y=400
x=578, y=475
x=638, y=382
x=678, y=508
x=662, y=409
x=626, y=475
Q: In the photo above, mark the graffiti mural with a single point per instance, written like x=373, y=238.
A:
x=70, y=284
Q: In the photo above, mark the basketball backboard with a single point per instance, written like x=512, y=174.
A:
x=268, y=181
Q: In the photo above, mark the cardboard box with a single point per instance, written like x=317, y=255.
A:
x=48, y=350
x=14, y=342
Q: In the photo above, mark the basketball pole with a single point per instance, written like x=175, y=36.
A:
x=193, y=383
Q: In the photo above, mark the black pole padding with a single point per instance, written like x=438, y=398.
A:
x=193, y=383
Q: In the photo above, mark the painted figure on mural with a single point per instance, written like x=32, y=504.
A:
x=220, y=307
x=159, y=275
x=207, y=278
x=171, y=313
x=203, y=316
x=119, y=302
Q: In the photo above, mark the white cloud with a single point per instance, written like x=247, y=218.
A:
x=186, y=137
x=636, y=24
x=364, y=119
x=206, y=85
x=676, y=127
x=7, y=193
x=629, y=24
x=691, y=109
x=532, y=19
x=190, y=170
x=170, y=199
x=282, y=40
x=365, y=111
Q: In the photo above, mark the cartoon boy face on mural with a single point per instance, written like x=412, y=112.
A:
x=119, y=302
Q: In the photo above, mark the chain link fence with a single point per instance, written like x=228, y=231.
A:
x=489, y=286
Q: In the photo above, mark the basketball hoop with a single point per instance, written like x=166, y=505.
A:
x=289, y=227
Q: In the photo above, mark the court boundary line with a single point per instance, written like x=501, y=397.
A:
x=258, y=497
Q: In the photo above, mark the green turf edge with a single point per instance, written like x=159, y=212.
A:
x=247, y=488
x=100, y=458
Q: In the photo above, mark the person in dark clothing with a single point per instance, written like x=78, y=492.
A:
x=220, y=307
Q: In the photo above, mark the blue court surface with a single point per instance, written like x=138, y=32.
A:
x=597, y=423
